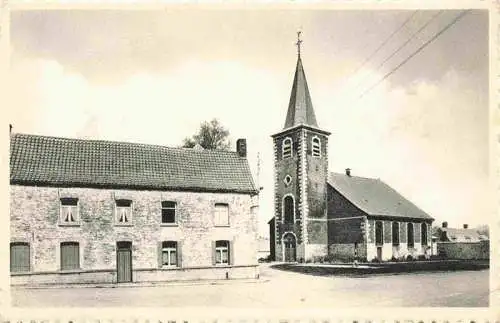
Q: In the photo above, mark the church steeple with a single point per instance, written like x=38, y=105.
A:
x=300, y=229
x=300, y=108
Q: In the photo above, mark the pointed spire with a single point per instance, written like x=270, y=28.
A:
x=300, y=108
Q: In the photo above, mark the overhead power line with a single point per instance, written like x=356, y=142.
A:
x=454, y=21
x=428, y=22
x=409, y=39
x=385, y=42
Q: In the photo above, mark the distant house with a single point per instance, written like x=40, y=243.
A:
x=102, y=211
x=318, y=213
x=462, y=243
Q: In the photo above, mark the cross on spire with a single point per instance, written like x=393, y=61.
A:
x=299, y=42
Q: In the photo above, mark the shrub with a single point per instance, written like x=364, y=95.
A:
x=375, y=260
x=421, y=257
x=308, y=260
x=301, y=260
x=394, y=259
x=409, y=258
x=329, y=258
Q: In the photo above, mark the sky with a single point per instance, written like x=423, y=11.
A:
x=154, y=76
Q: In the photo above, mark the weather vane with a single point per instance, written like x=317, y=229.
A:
x=299, y=41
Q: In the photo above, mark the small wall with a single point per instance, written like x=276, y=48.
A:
x=315, y=250
x=464, y=250
x=139, y=275
x=345, y=251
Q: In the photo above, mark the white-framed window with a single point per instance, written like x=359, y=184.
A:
x=411, y=235
x=395, y=233
x=70, y=255
x=69, y=210
x=221, y=215
x=168, y=212
x=379, y=233
x=123, y=211
x=169, y=253
x=222, y=252
x=316, y=147
x=287, y=148
x=423, y=233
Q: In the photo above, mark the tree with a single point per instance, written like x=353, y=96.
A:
x=211, y=135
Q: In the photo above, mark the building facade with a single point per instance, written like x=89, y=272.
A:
x=87, y=211
x=319, y=214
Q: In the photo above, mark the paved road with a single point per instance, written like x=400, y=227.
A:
x=283, y=289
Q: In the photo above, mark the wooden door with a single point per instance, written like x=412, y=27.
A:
x=124, y=262
x=379, y=253
x=290, y=248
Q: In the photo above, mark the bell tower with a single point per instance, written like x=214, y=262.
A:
x=300, y=177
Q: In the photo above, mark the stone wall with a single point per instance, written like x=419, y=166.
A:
x=464, y=250
x=35, y=219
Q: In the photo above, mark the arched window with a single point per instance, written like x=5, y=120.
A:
x=287, y=148
x=316, y=147
x=411, y=239
x=379, y=238
x=288, y=209
x=424, y=234
x=395, y=233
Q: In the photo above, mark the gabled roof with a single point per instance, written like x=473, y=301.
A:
x=463, y=235
x=300, y=108
x=52, y=161
x=374, y=197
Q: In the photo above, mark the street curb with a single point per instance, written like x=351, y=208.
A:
x=149, y=284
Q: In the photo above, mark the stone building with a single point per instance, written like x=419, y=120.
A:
x=318, y=213
x=462, y=243
x=88, y=211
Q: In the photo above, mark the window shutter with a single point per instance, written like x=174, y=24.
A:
x=160, y=254
x=231, y=252
x=213, y=253
x=179, y=253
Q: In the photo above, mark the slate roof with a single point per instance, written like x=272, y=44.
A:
x=374, y=197
x=52, y=161
x=300, y=108
x=463, y=235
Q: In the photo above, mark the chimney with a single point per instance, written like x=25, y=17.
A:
x=466, y=226
x=348, y=172
x=241, y=147
x=445, y=224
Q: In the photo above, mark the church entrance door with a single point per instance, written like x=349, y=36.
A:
x=290, y=247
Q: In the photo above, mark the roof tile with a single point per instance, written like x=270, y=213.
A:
x=56, y=161
x=374, y=197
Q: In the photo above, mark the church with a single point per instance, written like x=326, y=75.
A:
x=320, y=214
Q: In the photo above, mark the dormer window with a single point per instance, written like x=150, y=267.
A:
x=316, y=147
x=287, y=148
